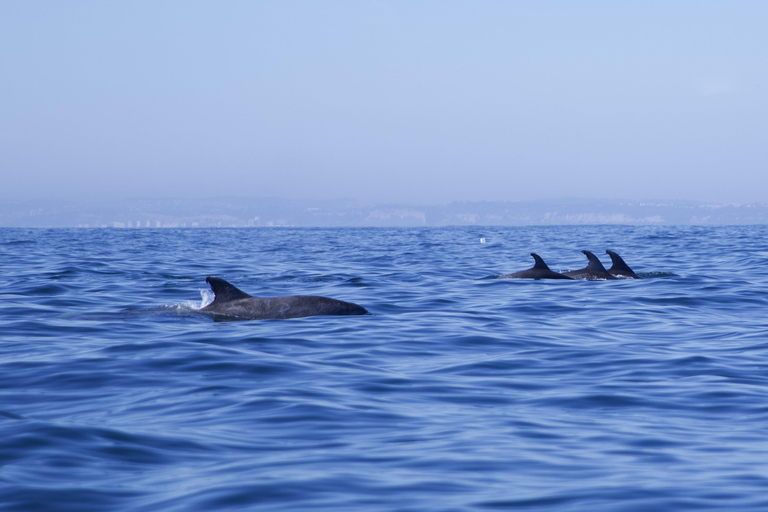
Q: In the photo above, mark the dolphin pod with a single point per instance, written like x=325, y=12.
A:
x=232, y=302
x=594, y=271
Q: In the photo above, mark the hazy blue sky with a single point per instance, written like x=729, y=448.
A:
x=401, y=101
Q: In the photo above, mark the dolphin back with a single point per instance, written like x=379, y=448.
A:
x=540, y=270
x=235, y=303
x=593, y=271
x=310, y=305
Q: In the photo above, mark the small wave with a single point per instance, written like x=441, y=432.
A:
x=19, y=242
x=188, y=306
x=651, y=275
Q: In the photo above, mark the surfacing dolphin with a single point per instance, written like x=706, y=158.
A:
x=232, y=302
x=540, y=270
x=619, y=268
x=594, y=271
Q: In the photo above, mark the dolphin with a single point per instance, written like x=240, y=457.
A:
x=232, y=302
x=540, y=270
x=619, y=268
x=594, y=271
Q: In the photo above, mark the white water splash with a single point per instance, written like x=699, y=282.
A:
x=207, y=297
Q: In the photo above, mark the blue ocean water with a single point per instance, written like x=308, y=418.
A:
x=459, y=393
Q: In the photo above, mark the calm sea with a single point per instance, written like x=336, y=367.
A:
x=459, y=393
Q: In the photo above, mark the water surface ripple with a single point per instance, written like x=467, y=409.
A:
x=459, y=393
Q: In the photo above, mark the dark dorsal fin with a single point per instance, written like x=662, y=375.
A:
x=618, y=262
x=619, y=265
x=594, y=263
x=539, y=262
x=224, y=291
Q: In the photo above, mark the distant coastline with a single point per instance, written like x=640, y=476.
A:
x=275, y=212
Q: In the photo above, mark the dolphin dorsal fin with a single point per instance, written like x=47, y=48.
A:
x=618, y=262
x=594, y=263
x=539, y=262
x=224, y=291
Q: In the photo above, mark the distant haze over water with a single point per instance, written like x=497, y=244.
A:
x=406, y=102
x=272, y=212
